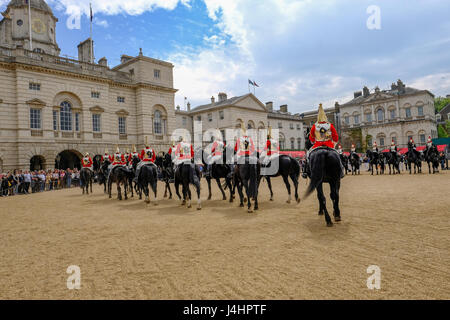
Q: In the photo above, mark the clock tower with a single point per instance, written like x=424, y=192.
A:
x=15, y=27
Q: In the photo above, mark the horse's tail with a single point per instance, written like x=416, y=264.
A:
x=317, y=170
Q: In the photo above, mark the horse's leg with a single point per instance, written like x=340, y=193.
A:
x=323, y=204
x=294, y=179
x=334, y=186
x=241, y=194
x=109, y=188
x=224, y=197
x=125, y=187
x=189, y=195
x=247, y=192
x=170, y=191
x=119, y=191
x=208, y=180
x=199, y=200
x=230, y=188
x=155, y=191
x=269, y=184
x=288, y=187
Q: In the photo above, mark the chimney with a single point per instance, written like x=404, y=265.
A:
x=366, y=92
x=394, y=86
x=401, y=86
x=222, y=96
x=357, y=94
x=103, y=62
x=269, y=106
x=336, y=104
x=213, y=100
x=284, y=108
x=188, y=106
x=124, y=58
x=84, y=50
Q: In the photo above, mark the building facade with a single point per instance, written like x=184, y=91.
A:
x=54, y=109
x=397, y=114
x=230, y=113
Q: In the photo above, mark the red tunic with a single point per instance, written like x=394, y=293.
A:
x=269, y=150
x=184, y=156
x=217, y=148
x=121, y=162
x=87, y=163
x=240, y=152
x=143, y=154
x=329, y=143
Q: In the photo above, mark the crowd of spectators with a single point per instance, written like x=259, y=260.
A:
x=26, y=182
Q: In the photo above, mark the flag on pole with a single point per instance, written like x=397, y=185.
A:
x=92, y=15
x=254, y=83
x=251, y=82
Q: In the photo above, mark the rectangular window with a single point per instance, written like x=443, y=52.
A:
x=280, y=125
x=35, y=86
x=299, y=143
x=298, y=127
x=95, y=95
x=221, y=115
x=121, y=99
x=96, y=123
x=422, y=138
x=157, y=73
x=291, y=126
x=369, y=142
x=369, y=117
x=210, y=118
x=122, y=125
x=199, y=118
x=77, y=122
x=223, y=135
x=381, y=141
x=35, y=119
x=55, y=120
x=356, y=118
x=408, y=112
x=184, y=121
x=420, y=111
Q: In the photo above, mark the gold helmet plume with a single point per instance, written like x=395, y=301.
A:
x=321, y=117
x=270, y=132
x=146, y=141
x=134, y=148
x=106, y=150
x=117, y=149
x=244, y=131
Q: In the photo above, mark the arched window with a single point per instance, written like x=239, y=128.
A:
x=66, y=116
x=380, y=115
x=157, y=123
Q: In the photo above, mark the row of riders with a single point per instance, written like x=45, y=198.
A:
x=392, y=159
x=140, y=171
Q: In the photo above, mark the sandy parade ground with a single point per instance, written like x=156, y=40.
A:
x=131, y=250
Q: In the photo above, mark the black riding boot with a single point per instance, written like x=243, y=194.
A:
x=208, y=171
x=307, y=172
x=230, y=174
x=135, y=179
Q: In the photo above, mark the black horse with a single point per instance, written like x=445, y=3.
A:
x=381, y=162
x=393, y=161
x=165, y=165
x=355, y=163
x=186, y=174
x=148, y=176
x=432, y=158
x=325, y=167
x=374, y=160
x=220, y=171
x=287, y=167
x=120, y=176
x=413, y=157
x=345, y=161
x=247, y=176
x=102, y=175
x=86, y=177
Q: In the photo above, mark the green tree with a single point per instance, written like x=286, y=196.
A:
x=442, y=132
x=366, y=142
x=440, y=103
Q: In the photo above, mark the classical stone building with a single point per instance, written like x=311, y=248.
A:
x=398, y=114
x=53, y=109
x=230, y=113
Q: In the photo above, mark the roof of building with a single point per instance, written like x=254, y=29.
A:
x=36, y=4
x=223, y=103
x=394, y=92
x=445, y=109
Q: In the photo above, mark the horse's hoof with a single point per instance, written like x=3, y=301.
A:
x=209, y=198
x=250, y=211
x=170, y=198
x=241, y=205
x=288, y=202
x=271, y=199
x=320, y=213
x=337, y=219
x=298, y=200
x=224, y=198
x=189, y=207
x=330, y=224
x=199, y=208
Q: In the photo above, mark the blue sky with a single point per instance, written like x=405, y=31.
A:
x=300, y=52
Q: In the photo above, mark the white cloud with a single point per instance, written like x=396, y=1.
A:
x=102, y=23
x=438, y=83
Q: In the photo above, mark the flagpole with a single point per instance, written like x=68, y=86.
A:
x=29, y=23
x=92, y=44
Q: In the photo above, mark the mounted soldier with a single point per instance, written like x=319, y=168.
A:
x=106, y=157
x=393, y=148
x=118, y=160
x=147, y=156
x=375, y=147
x=323, y=135
x=271, y=150
x=244, y=147
x=216, y=156
x=87, y=162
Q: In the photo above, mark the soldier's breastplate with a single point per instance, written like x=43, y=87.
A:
x=323, y=132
